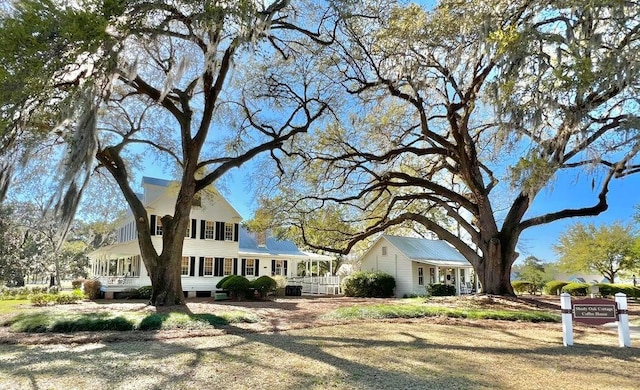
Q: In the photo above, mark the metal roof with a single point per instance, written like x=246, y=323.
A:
x=437, y=252
x=249, y=244
x=155, y=181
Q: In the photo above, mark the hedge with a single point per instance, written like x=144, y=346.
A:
x=609, y=290
x=264, y=285
x=554, y=287
x=238, y=286
x=440, y=290
x=522, y=286
x=577, y=289
x=374, y=284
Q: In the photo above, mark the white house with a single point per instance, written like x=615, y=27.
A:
x=417, y=262
x=215, y=246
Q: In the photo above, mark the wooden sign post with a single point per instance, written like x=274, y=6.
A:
x=595, y=311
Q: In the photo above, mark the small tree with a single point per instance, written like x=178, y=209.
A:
x=606, y=250
x=533, y=271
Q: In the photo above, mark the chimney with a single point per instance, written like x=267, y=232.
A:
x=261, y=238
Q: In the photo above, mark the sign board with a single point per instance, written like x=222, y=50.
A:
x=595, y=311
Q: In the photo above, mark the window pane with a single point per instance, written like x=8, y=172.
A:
x=184, y=269
x=158, y=227
x=228, y=232
x=208, y=266
x=249, y=268
x=209, y=228
x=228, y=267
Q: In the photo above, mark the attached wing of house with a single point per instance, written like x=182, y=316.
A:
x=416, y=262
x=215, y=246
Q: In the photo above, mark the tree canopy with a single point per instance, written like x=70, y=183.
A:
x=606, y=250
x=456, y=117
x=204, y=86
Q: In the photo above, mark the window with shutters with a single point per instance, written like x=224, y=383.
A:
x=228, y=232
x=250, y=267
x=280, y=268
x=207, y=268
x=209, y=230
x=227, y=267
x=184, y=267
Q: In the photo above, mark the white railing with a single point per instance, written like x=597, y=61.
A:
x=317, y=284
x=124, y=281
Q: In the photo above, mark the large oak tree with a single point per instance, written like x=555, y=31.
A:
x=203, y=85
x=459, y=116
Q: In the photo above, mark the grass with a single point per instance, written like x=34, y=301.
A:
x=11, y=306
x=44, y=321
x=416, y=310
x=368, y=355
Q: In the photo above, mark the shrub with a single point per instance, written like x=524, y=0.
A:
x=522, y=286
x=576, y=289
x=76, y=284
x=53, y=290
x=41, y=299
x=440, y=290
x=144, y=292
x=554, y=287
x=281, y=283
x=237, y=285
x=369, y=284
x=92, y=288
x=264, y=285
x=223, y=280
x=609, y=290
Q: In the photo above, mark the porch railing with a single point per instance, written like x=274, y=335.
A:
x=124, y=281
x=317, y=284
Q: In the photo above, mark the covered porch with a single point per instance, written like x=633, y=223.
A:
x=315, y=276
x=119, y=268
x=461, y=276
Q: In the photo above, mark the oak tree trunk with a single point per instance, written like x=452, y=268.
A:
x=494, y=268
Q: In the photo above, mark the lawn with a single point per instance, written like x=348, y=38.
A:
x=408, y=354
x=310, y=343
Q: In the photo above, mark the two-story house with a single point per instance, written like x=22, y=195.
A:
x=215, y=246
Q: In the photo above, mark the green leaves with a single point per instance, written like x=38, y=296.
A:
x=602, y=249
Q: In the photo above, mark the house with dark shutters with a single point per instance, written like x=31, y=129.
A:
x=215, y=246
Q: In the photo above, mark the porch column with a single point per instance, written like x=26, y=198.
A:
x=477, y=282
x=437, y=275
x=457, y=273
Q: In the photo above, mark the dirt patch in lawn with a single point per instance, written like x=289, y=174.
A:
x=275, y=315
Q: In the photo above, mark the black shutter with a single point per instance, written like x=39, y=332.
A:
x=201, y=266
x=202, y=226
x=152, y=224
x=256, y=271
x=194, y=224
x=235, y=265
x=285, y=268
x=219, y=231
x=273, y=267
x=243, y=267
x=192, y=268
x=235, y=232
x=218, y=266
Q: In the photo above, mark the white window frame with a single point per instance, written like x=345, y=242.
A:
x=182, y=266
x=229, y=262
x=420, y=276
x=210, y=262
x=250, y=270
x=228, y=232
x=158, y=227
x=187, y=234
x=384, y=251
x=209, y=230
x=279, y=268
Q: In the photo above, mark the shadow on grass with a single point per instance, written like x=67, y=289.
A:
x=65, y=323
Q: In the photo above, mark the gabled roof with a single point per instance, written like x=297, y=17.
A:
x=248, y=244
x=435, y=252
